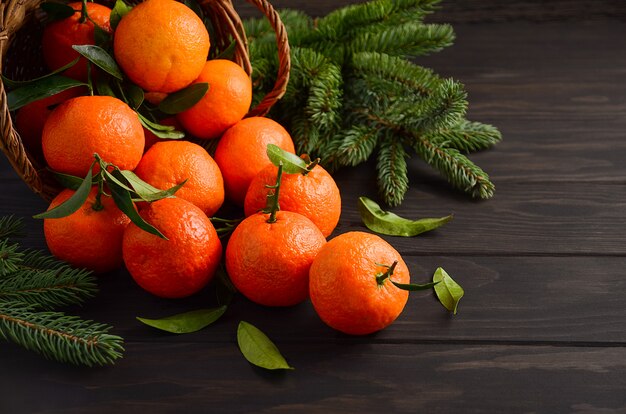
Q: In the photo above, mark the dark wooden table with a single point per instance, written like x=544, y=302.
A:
x=542, y=327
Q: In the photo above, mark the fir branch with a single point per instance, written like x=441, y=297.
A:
x=391, y=167
x=456, y=168
x=466, y=136
x=11, y=226
x=58, y=336
x=405, y=40
x=10, y=258
x=48, y=289
x=357, y=144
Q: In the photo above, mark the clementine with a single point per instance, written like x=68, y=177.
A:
x=314, y=195
x=181, y=265
x=269, y=262
x=90, y=237
x=225, y=103
x=350, y=287
x=169, y=163
x=82, y=126
x=161, y=45
x=59, y=36
x=241, y=153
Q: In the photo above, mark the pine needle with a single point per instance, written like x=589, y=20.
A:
x=58, y=336
x=11, y=226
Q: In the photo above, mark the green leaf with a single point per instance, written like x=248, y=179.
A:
x=448, y=291
x=134, y=95
x=227, y=53
x=68, y=181
x=124, y=202
x=292, y=164
x=16, y=84
x=186, y=322
x=102, y=38
x=413, y=287
x=385, y=222
x=120, y=10
x=101, y=58
x=73, y=203
x=161, y=131
x=103, y=86
x=146, y=191
x=57, y=11
x=258, y=348
x=224, y=288
x=184, y=99
x=34, y=91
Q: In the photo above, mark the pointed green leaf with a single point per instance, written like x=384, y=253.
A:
x=102, y=38
x=16, y=84
x=292, y=164
x=146, y=191
x=385, y=222
x=103, y=86
x=258, y=348
x=448, y=291
x=40, y=89
x=116, y=178
x=184, y=99
x=57, y=11
x=186, y=322
x=161, y=131
x=124, y=202
x=134, y=95
x=120, y=10
x=73, y=203
x=413, y=287
x=68, y=181
x=101, y=58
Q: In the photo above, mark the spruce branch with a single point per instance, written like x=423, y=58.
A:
x=356, y=145
x=466, y=136
x=391, y=167
x=46, y=283
x=10, y=258
x=58, y=336
x=10, y=226
x=456, y=168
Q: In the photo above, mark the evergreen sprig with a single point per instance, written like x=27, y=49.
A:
x=353, y=93
x=32, y=284
x=58, y=336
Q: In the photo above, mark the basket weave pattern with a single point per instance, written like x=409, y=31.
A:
x=20, y=18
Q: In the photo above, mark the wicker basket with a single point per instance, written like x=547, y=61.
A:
x=19, y=19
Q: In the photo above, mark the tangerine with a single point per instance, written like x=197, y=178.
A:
x=225, y=103
x=161, y=45
x=169, y=163
x=269, y=262
x=241, y=153
x=91, y=237
x=314, y=195
x=350, y=287
x=59, y=36
x=183, y=264
x=82, y=126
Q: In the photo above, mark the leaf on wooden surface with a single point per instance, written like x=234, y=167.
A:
x=447, y=290
x=258, y=349
x=186, y=322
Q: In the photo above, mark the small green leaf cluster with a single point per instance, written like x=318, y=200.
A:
x=125, y=188
x=32, y=285
x=354, y=93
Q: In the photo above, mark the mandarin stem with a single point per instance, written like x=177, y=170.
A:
x=381, y=277
x=272, y=200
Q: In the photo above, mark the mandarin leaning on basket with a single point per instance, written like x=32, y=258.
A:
x=241, y=153
x=225, y=103
x=161, y=45
x=82, y=126
x=59, y=36
x=181, y=265
x=170, y=163
x=348, y=287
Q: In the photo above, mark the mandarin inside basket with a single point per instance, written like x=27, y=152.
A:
x=20, y=34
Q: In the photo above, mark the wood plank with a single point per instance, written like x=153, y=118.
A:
x=508, y=300
x=369, y=378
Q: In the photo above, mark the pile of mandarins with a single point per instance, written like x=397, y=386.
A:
x=274, y=257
